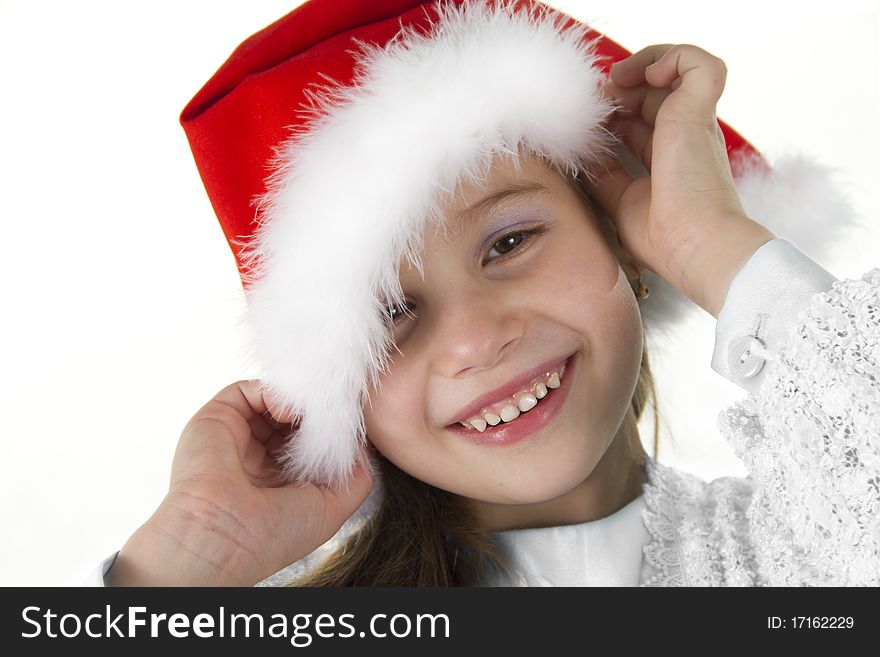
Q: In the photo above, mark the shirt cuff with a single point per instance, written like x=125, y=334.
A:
x=98, y=575
x=761, y=306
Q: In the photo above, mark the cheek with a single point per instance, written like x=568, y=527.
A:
x=592, y=296
x=584, y=282
x=619, y=337
x=615, y=356
x=394, y=407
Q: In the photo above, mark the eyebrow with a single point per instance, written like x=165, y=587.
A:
x=478, y=211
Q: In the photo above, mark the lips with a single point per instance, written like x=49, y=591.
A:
x=508, y=389
x=527, y=425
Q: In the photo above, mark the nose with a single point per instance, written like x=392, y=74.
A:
x=475, y=330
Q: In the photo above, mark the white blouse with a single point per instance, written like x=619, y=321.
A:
x=603, y=552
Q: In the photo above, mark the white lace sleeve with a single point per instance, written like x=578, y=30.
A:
x=810, y=440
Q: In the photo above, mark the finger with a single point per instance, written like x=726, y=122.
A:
x=643, y=100
x=275, y=445
x=261, y=462
x=631, y=71
x=703, y=75
x=251, y=397
x=638, y=136
x=267, y=474
x=237, y=413
x=274, y=449
x=243, y=396
x=253, y=458
x=261, y=429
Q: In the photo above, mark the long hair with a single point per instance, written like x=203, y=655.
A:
x=421, y=535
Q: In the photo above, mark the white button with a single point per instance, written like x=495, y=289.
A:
x=742, y=361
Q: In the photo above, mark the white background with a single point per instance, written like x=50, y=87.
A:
x=120, y=294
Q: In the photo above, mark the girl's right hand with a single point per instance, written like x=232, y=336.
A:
x=227, y=519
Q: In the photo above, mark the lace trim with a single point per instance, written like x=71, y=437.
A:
x=699, y=530
x=663, y=552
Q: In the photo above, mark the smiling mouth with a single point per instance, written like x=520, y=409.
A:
x=527, y=424
x=508, y=410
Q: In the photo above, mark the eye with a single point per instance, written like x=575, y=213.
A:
x=514, y=243
x=394, y=313
x=508, y=246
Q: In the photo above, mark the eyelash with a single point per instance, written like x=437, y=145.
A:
x=529, y=236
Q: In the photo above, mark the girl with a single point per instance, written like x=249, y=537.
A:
x=456, y=322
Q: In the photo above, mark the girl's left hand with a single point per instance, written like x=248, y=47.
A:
x=685, y=221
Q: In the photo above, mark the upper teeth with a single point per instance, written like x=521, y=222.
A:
x=510, y=408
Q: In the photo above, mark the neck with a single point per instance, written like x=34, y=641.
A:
x=616, y=481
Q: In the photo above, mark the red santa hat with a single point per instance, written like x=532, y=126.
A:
x=330, y=139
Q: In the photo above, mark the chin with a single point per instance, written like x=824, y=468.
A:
x=538, y=485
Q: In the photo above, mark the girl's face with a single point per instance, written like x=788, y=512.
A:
x=511, y=285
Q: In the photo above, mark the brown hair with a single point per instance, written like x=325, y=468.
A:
x=421, y=535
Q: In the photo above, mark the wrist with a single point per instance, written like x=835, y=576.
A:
x=170, y=550
x=710, y=265
x=740, y=246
